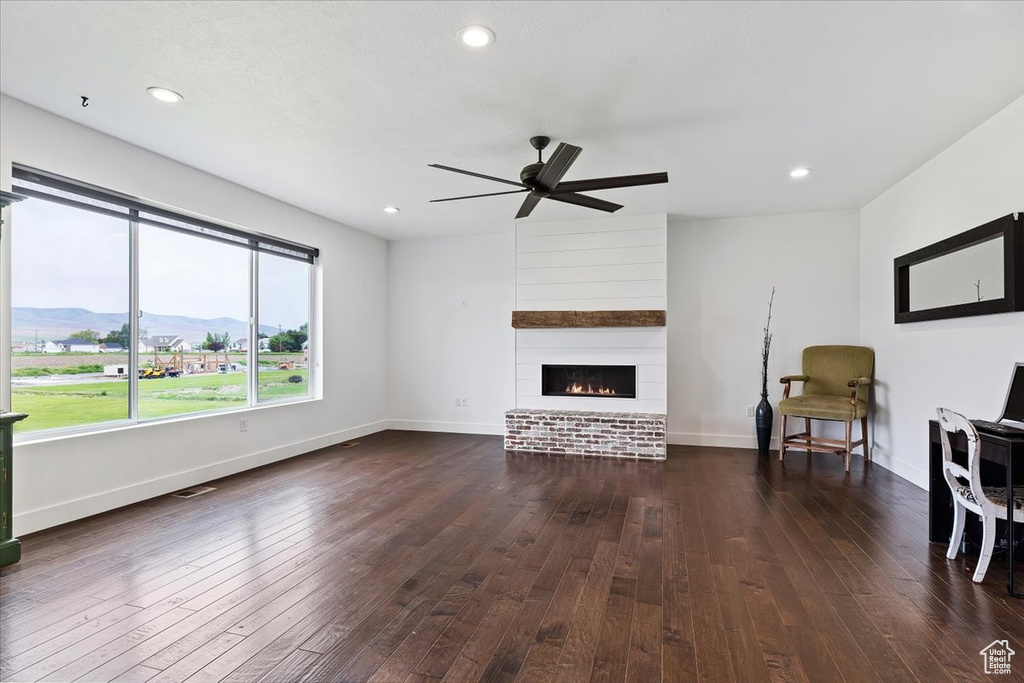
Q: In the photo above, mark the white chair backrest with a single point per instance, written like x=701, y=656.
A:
x=951, y=423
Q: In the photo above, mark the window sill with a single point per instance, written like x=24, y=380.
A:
x=61, y=434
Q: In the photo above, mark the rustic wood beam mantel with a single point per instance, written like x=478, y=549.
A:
x=522, y=320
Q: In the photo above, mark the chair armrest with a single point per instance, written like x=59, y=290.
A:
x=788, y=379
x=855, y=385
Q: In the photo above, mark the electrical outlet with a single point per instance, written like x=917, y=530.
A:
x=243, y=425
x=458, y=401
x=750, y=411
x=465, y=401
x=465, y=303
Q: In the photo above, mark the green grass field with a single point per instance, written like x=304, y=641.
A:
x=70, y=405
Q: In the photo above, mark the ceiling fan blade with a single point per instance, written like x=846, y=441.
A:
x=474, y=196
x=476, y=175
x=556, y=166
x=528, y=206
x=609, y=183
x=584, y=200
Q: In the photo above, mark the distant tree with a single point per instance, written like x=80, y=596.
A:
x=212, y=343
x=122, y=337
x=290, y=340
x=118, y=337
x=216, y=342
x=91, y=336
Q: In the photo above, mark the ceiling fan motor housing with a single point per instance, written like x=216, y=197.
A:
x=528, y=175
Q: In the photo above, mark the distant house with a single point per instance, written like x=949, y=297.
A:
x=165, y=343
x=26, y=347
x=72, y=345
x=49, y=347
x=112, y=348
x=243, y=345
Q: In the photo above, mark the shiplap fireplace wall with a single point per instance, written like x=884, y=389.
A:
x=603, y=264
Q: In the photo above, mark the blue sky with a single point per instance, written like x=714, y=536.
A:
x=64, y=257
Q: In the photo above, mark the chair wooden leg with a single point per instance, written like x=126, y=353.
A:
x=959, y=515
x=782, y=437
x=807, y=428
x=864, y=435
x=849, y=439
x=988, y=542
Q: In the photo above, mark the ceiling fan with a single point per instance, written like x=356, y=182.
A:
x=543, y=181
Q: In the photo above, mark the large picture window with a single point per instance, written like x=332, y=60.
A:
x=124, y=312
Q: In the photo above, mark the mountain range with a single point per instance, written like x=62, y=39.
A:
x=57, y=323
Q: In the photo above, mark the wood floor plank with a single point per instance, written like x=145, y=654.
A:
x=435, y=654
x=137, y=674
x=577, y=658
x=424, y=557
x=644, y=662
x=197, y=659
x=375, y=638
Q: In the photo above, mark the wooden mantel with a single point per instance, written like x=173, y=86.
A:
x=523, y=320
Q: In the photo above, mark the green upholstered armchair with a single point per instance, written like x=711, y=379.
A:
x=835, y=387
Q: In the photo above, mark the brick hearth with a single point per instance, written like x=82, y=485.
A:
x=624, y=435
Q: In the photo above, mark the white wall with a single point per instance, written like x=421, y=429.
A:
x=597, y=264
x=720, y=276
x=440, y=349
x=964, y=363
x=67, y=478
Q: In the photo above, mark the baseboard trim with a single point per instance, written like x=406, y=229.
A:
x=716, y=440
x=31, y=521
x=902, y=469
x=484, y=428
x=915, y=475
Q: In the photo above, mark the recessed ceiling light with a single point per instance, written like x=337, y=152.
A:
x=164, y=94
x=391, y=209
x=799, y=173
x=476, y=36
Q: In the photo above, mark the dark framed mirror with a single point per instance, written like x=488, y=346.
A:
x=978, y=272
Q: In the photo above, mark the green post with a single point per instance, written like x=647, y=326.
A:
x=10, y=547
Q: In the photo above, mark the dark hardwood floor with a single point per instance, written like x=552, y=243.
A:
x=422, y=557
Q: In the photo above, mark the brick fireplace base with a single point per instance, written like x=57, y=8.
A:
x=621, y=435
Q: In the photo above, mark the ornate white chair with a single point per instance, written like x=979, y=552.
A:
x=988, y=502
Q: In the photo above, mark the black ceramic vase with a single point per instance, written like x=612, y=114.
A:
x=763, y=417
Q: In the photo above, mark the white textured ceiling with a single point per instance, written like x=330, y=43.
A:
x=338, y=107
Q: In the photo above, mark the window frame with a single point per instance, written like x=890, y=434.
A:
x=255, y=245
x=254, y=353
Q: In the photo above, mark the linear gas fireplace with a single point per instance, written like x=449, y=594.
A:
x=599, y=381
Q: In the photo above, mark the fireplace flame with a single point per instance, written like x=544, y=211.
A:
x=577, y=388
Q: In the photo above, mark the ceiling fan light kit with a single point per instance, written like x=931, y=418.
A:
x=543, y=180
